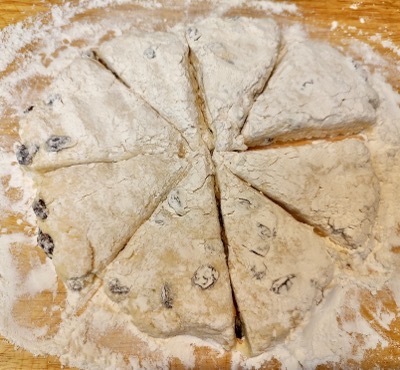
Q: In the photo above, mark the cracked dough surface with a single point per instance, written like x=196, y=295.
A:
x=188, y=265
x=141, y=192
x=160, y=76
x=330, y=185
x=232, y=69
x=278, y=266
x=104, y=121
x=315, y=92
x=108, y=200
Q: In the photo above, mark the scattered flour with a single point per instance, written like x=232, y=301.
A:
x=273, y=7
x=355, y=6
x=386, y=43
x=39, y=279
x=316, y=341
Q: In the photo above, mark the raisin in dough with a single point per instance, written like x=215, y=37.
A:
x=93, y=210
x=172, y=276
x=330, y=185
x=232, y=68
x=92, y=117
x=278, y=266
x=155, y=66
x=314, y=92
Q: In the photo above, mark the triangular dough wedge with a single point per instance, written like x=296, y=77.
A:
x=155, y=65
x=87, y=213
x=330, y=185
x=315, y=92
x=91, y=117
x=172, y=277
x=232, y=67
x=278, y=266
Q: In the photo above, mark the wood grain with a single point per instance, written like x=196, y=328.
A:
x=355, y=19
x=14, y=11
x=14, y=359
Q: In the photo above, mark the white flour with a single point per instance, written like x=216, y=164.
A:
x=319, y=338
x=387, y=44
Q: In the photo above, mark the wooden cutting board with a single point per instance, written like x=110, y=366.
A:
x=358, y=19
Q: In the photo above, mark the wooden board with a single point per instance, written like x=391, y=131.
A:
x=358, y=19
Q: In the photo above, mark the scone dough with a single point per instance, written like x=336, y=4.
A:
x=315, y=92
x=93, y=210
x=232, y=68
x=155, y=65
x=90, y=117
x=139, y=156
x=278, y=266
x=172, y=277
x=329, y=185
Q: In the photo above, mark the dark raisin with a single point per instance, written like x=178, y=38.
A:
x=79, y=282
x=159, y=221
x=45, y=241
x=175, y=202
x=205, y=276
x=282, y=284
x=76, y=284
x=193, y=33
x=52, y=99
x=25, y=154
x=116, y=288
x=258, y=273
x=29, y=109
x=265, y=232
x=57, y=143
x=305, y=83
x=150, y=53
x=39, y=207
x=166, y=296
x=245, y=202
